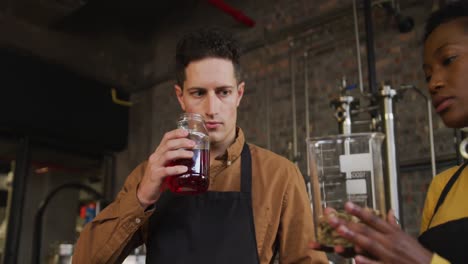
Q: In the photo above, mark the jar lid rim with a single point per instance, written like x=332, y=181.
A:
x=191, y=115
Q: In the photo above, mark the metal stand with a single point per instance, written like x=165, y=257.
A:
x=387, y=94
x=343, y=113
x=343, y=107
x=19, y=189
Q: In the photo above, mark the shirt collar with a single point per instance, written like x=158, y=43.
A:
x=234, y=151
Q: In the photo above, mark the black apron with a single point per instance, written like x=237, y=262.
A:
x=214, y=227
x=450, y=239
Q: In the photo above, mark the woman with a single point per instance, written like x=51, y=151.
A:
x=444, y=229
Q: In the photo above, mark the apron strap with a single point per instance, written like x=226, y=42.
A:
x=446, y=190
x=246, y=170
x=246, y=187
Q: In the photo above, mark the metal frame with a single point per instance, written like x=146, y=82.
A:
x=15, y=222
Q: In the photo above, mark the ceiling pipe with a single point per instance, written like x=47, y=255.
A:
x=404, y=23
x=370, y=47
x=236, y=14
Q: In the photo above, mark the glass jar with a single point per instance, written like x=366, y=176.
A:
x=345, y=168
x=196, y=179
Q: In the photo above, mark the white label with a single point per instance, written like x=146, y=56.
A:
x=358, y=186
x=355, y=162
x=358, y=168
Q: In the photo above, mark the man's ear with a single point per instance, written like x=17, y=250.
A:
x=180, y=96
x=240, y=92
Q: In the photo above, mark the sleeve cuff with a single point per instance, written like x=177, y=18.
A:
x=436, y=259
x=131, y=209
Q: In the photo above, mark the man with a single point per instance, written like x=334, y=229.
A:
x=256, y=203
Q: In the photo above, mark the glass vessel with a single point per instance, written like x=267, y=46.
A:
x=196, y=179
x=344, y=168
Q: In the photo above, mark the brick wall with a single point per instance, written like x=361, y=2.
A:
x=324, y=31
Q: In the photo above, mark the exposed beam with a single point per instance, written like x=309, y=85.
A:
x=110, y=59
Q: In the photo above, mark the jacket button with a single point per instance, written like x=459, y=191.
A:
x=137, y=220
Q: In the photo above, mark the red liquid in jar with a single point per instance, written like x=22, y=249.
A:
x=196, y=179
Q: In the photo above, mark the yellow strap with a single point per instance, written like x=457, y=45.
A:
x=119, y=101
x=436, y=259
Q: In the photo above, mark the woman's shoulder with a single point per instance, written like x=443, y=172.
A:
x=441, y=179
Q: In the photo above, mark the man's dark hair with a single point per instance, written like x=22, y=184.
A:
x=447, y=13
x=206, y=43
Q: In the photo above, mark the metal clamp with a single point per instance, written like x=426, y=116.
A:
x=462, y=148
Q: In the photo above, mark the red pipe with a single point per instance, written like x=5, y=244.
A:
x=236, y=14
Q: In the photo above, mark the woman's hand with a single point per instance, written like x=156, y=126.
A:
x=383, y=240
